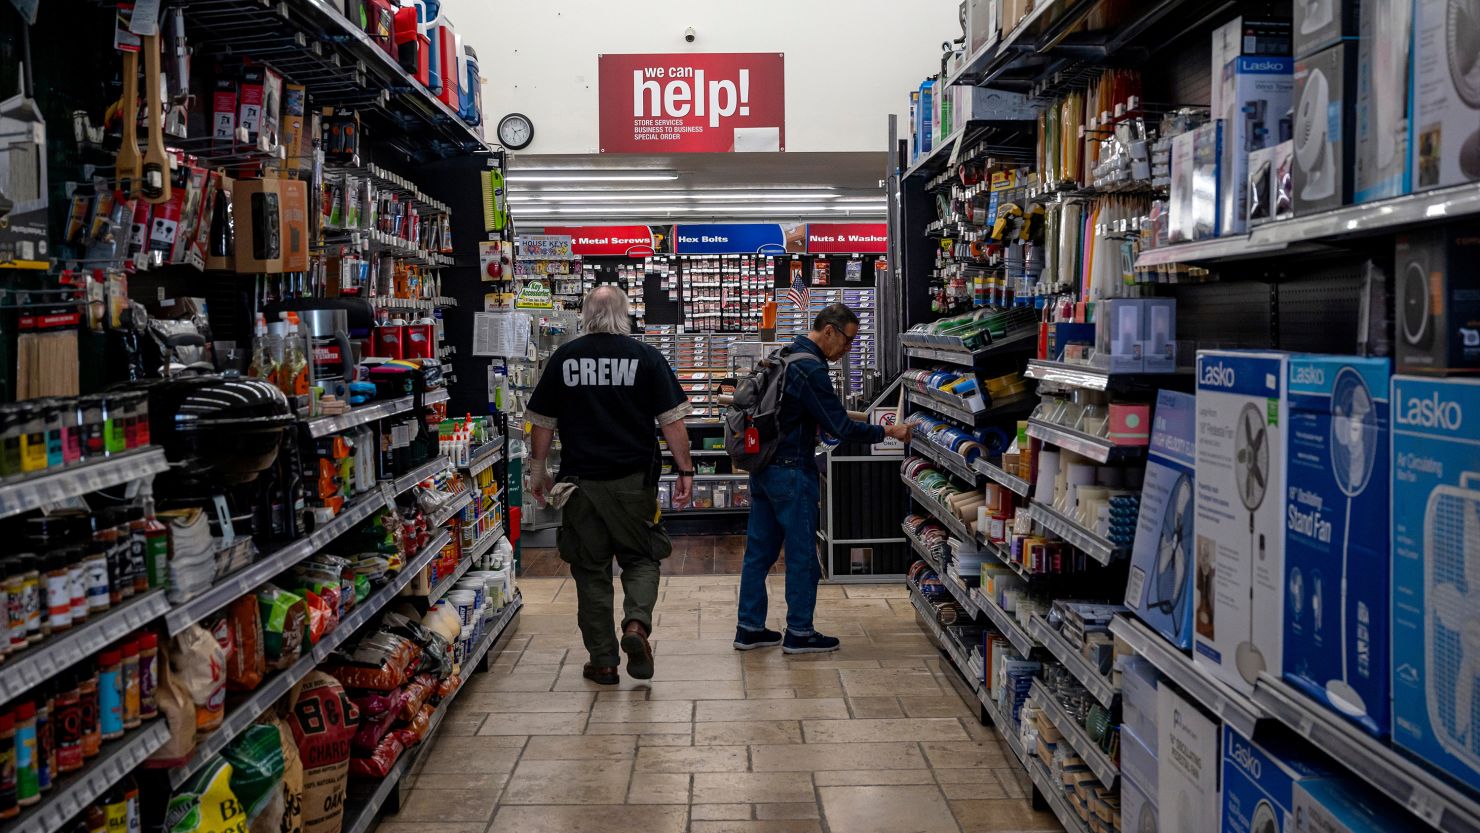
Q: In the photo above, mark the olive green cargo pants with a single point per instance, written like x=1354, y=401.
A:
x=606, y=518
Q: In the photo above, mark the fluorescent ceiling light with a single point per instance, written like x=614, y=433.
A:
x=713, y=210
x=739, y=196
x=516, y=178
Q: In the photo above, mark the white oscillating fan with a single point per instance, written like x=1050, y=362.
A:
x=1451, y=545
x=1265, y=819
x=1390, y=73
x=1353, y=453
x=1313, y=137
x=1318, y=15
x=1251, y=478
x=1462, y=41
x=1174, y=554
x=1147, y=821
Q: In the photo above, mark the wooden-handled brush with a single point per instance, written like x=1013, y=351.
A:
x=155, y=185
x=128, y=169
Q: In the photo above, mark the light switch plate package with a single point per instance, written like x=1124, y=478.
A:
x=1444, y=125
x=1256, y=97
x=1325, y=130
x=1187, y=765
x=1162, y=567
x=1259, y=783
x=1384, y=62
x=1333, y=805
x=1436, y=572
x=1336, y=537
x=1240, y=523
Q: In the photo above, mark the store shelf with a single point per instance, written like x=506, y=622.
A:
x=23, y=671
x=1006, y=623
x=952, y=524
x=1423, y=793
x=484, y=456
x=241, y=715
x=485, y=543
x=1006, y=558
x=957, y=588
x=73, y=793
x=1080, y=538
x=997, y=474
x=446, y=584
x=457, y=505
x=1226, y=704
x=326, y=425
x=29, y=492
x=1003, y=723
x=926, y=612
x=1326, y=227
x=1095, y=448
x=706, y=478
x=944, y=406
x=952, y=461
x=1053, y=794
x=428, y=469
x=1088, y=378
x=1097, y=684
x=919, y=346
x=1075, y=735
x=361, y=815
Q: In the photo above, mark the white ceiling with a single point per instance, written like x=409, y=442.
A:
x=575, y=189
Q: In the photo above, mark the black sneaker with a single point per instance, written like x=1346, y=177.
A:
x=750, y=640
x=813, y=644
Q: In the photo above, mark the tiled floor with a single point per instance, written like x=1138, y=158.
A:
x=871, y=739
x=693, y=555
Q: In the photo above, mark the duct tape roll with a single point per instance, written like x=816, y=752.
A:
x=995, y=440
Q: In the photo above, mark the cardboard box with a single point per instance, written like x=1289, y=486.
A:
x=1242, y=417
x=1257, y=95
x=1137, y=810
x=1187, y=765
x=1159, y=334
x=1207, y=180
x=1180, y=219
x=1384, y=64
x=257, y=205
x=1119, y=335
x=1325, y=132
x=1320, y=24
x=1436, y=571
x=1336, y=538
x=1138, y=762
x=1160, y=588
x=1245, y=36
x=1259, y=783
x=1332, y=805
x=1271, y=185
x=1438, y=300
x=295, y=225
x=1444, y=128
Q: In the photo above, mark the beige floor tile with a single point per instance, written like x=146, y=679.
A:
x=670, y=711
x=863, y=707
x=878, y=591
x=813, y=757
x=751, y=787
x=807, y=709
x=461, y=722
x=1007, y=815
x=903, y=809
x=421, y=827
x=966, y=755
x=640, y=729
x=693, y=759
x=788, y=676
x=779, y=693
x=898, y=682
x=631, y=818
x=540, y=679
x=698, y=667
x=748, y=732
x=864, y=731
x=470, y=754
x=622, y=695
x=793, y=826
x=567, y=782
x=534, y=724
x=930, y=706
x=491, y=782
x=510, y=701
x=720, y=812
x=975, y=784
x=448, y=805
x=659, y=788
x=872, y=777
x=777, y=812
x=664, y=740
x=581, y=748
x=697, y=690
x=668, y=646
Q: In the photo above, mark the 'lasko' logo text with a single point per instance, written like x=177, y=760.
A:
x=1431, y=412
x=1217, y=375
x=1244, y=757
x=1308, y=375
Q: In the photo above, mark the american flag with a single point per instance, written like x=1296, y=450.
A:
x=798, y=294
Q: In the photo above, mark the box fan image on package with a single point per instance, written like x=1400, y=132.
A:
x=1240, y=519
x=1160, y=585
x=1436, y=572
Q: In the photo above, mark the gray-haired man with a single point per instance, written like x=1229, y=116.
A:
x=603, y=392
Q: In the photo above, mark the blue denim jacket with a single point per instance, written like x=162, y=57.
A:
x=810, y=403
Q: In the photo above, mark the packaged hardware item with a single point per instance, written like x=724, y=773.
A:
x=1384, y=61
x=1444, y=127
x=1438, y=300
x=1256, y=100
x=1187, y=796
x=1336, y=537
x=1270, y=180
x=1259, y=781
x=1242, y=419
x=1160, y=588
x=1325, y=132
x=1436, y=570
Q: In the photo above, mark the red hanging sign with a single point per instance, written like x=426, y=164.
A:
x=693, y=103
x=607, y=241
x=847, y=238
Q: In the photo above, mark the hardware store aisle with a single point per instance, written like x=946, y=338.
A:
x=871, y=739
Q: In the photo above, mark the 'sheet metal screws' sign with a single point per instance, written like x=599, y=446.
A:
x=693, y=103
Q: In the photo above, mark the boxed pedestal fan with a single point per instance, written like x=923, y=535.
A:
x=1161, y=577
x=1259, y=781
x=1436, y=572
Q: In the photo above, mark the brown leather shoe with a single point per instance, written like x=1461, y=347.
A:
x=639, y=651
x=604, y=675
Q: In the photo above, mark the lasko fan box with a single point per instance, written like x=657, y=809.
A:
x=1161, y=577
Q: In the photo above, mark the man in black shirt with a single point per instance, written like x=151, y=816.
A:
x=603, y=391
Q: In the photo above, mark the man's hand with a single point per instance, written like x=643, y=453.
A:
x=898, y=431
x=538, y=481
x=683, y=491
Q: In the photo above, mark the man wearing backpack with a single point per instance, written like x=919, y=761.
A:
x=784, y=491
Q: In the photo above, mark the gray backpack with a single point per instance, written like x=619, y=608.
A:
x=753, y=420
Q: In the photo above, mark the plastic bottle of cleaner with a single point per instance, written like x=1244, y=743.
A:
x=263, y=366
x=293, y=374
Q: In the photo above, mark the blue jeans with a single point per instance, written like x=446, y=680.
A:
x=783, y=510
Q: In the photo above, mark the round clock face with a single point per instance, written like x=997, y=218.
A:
x=516, y=131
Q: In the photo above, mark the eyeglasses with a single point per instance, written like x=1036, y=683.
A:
x=847, y=338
